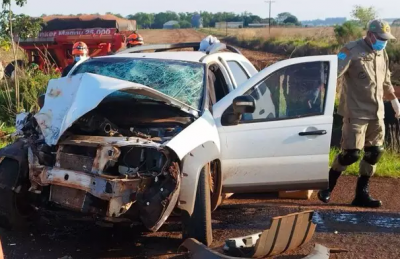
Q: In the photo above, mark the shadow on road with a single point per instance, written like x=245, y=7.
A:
x=55, y=237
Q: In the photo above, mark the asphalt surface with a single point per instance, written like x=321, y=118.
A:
x=365, y=233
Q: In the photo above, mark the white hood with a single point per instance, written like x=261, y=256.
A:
x=69, y=98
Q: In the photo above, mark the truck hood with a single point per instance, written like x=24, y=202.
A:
x=69, y=98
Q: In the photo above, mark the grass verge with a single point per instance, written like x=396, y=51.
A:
x=388, y=166
x=4, y=132
x=296, y=42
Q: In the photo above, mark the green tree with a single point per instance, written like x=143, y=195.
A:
x=186, y=16
x=18, y=2
x=5, y=44
x=22, y=25
x=291, y=20
x=7, y=26
x=282, y=17
x=348, y=31
x=161, y=18
x=185, y=24
x=273, y=21
x=364, y=14
x=248, y=18
x=207, y=18
x=144, y=20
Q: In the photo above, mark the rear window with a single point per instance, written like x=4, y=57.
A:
x=181, y=80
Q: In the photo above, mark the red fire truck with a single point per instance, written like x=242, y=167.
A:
x=103, y=34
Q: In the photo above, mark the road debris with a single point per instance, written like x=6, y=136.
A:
x=199, y=251
x=286, y=233
x=319, y=252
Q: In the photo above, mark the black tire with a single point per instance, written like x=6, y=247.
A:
x=198, y=225
x=216, y=186
x=14, y=207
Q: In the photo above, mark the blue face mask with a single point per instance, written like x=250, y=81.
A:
x=379, y=44
x=77, y=58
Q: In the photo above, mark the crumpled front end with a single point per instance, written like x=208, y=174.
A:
x=106, y=176
x=100, y=146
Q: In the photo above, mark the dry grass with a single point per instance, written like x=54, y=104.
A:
x=396, y=32
x=252, y=33
x=317, y=33
x=7, y=56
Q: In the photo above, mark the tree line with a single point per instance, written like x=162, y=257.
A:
x=157, y=20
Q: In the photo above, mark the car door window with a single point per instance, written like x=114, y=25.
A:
x=293, y=92
x=238, y=72
x=250, y=68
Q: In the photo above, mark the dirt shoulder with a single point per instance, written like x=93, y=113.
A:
x=366, y=233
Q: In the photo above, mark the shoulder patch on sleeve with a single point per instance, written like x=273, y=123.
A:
x=343, y=53
x=342, y=56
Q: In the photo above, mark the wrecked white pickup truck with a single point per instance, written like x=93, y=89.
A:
x=139, y=135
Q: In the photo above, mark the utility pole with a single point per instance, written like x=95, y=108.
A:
x=270, y=8
x=226, y=25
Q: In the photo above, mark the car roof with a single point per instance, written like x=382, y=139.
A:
x=191, y=56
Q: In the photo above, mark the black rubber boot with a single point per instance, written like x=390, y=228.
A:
x=325, y=195
x=362, y=198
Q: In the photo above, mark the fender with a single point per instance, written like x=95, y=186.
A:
x=191, y=168
x=19, y=152
x=195, y=146
x=199, y=132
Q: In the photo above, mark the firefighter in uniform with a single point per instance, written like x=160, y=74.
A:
x=80, y=51
x=364, y=65
x=133, y=40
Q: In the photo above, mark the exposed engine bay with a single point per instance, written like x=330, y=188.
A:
x=111, y=163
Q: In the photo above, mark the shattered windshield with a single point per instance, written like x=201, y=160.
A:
x=181, y=80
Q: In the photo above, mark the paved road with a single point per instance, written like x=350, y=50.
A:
x=365, y=233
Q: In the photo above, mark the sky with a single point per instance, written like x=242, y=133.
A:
x=303, y=9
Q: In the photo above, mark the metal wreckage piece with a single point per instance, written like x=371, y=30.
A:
x=286, y=233
x=199, y=251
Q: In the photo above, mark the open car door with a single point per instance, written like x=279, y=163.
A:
x=277, y=134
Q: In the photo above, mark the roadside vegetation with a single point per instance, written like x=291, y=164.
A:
x=19, y=92
x=388, y=166
x=32, y=83
x=5, y=134
x=300, y=41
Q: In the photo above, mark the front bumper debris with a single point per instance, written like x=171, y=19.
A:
x=199, y=251
x=80, y=180
x=118, y=192
x=286, y=233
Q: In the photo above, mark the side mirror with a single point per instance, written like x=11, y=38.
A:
x=244, y=104
x=241, y=105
